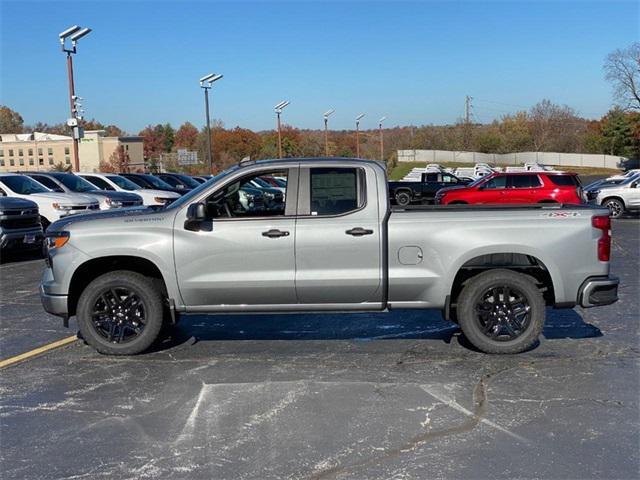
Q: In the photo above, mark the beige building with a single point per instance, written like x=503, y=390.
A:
x=42, y=151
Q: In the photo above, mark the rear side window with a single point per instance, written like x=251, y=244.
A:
x=524, y=181
x=564, y=180
x=431, y=177
x=334, y=191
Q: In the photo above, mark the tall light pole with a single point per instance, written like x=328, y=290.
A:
x=278, y=108
x=74, y=34
x=205, y=83
x=326, y=131
x=381, y=137
x=358, y=134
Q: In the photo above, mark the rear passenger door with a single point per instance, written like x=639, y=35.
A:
x=338, y=235
x=523, y=188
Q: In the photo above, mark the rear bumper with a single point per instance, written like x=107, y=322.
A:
x=597, y=291
x=54, y=304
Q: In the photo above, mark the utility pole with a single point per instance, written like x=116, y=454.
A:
x=326, y=131
x=206, y=83
x=278, y=108
x=381, y=138
x=358, y=134
x=74, y=33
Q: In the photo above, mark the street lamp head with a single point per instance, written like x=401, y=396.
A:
x=68, y=31
x=278, y=108
x=382, y=119
x=77, y=36
x=207, y=77
x=215, y=78
x=328, y=112
x=359, y=117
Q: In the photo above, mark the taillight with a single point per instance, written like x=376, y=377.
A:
x=603, y=223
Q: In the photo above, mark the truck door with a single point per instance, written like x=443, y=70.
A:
x=338, y=237
x=523, y=188
x=243, y=254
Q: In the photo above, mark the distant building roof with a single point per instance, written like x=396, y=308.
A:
x=30, y=137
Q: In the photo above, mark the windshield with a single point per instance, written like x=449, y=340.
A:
x=188, y=181
x=123, y=183
x=157, y=182
x=75, y=183
x=22, y=185
x=188, y=198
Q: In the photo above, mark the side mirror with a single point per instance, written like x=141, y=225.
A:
x=196, y=214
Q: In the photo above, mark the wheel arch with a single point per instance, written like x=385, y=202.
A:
x=529, y=263
x=95, y=267
x=614, y=197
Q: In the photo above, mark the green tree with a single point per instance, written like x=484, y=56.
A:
x=620, y=133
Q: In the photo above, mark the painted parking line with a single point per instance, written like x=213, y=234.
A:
x=37, y=351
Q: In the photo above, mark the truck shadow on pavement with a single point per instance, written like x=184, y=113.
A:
x=398, y=324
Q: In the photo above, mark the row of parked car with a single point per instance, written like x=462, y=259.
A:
x=31, y=201
x=619, y=193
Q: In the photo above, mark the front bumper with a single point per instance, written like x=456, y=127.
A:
x=54, y=304
x=598, y=291
x=28, y=238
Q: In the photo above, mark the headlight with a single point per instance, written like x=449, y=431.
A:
x=56, y=239
x=113, y=203
x=63, y=208
x=269, y=195
x=163, y=200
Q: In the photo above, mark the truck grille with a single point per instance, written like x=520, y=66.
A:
x=16, y=219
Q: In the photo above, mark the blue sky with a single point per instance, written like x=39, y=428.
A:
x=413, y=62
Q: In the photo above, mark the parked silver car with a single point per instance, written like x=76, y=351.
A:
x=617, y=197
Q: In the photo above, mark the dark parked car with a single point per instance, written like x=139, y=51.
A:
x=424, y=191
x=148, y=181
x=179, y=181
x=20, y=227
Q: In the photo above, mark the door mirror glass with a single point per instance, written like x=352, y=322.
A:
x=195, y=216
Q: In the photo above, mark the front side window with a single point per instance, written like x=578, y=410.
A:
x=98, y=182
x=496, y=182
x=47, y=182
x=123, y=183
x=449, y=179
x=248, y=198
x=334, y=191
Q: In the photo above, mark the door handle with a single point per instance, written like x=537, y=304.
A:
x=359, y=232
x=274, y=233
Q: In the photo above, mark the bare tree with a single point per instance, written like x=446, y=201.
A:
x=552, y=126
x=622, y=69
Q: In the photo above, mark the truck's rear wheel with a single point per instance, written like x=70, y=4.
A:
x=501, y=311
x=120, y=313
x=403, y=198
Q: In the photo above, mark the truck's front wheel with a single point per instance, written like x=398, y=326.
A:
x=501, y=311
x=120, y=313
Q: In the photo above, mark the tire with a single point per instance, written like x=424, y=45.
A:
x=615, y=206
x=403, y=198
x=490, y=326
x=130, y=316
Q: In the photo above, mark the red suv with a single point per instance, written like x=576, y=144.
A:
x=525, y=187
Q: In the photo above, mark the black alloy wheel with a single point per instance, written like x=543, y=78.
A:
x=119, y=315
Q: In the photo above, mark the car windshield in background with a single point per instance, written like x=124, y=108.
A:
x=22, y=185
x=75, y=183
x=188, y=198
x=123, y=182
x=157, y=182
x=189, y=181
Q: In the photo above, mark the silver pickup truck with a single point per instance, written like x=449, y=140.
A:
x=335, y=245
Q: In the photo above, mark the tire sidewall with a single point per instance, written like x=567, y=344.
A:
x=614, y=201
x=476, y=287
x=403, y=195
x=142, y=287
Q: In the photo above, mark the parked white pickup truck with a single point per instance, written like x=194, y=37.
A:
x=52, y=205
x=336, y=246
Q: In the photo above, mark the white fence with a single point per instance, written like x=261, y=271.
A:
x=545, y=158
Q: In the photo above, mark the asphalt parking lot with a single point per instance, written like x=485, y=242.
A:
x=376, y=396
